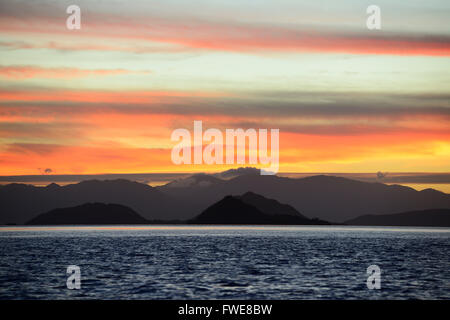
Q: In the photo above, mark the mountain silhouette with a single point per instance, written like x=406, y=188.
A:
x=231, y=173
x=196, y=180
x=89, y=213
x=19, y=202
x=268, y=206
x=325, y=197
x=236, y=210
x=423, y=218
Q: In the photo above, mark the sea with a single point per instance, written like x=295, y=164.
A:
x=224, y=262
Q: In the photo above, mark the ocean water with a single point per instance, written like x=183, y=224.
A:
x=224, y=262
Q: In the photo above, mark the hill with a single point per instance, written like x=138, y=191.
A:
x=423, y=218
x=236, y=210
x=20, y=202
x=325, y=197
x=89, y=214
x=328, y=198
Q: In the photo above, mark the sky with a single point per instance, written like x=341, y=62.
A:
x=106, y=98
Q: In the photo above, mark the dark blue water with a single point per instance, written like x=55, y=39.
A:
x=224, y=262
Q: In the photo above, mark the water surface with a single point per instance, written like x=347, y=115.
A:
x=224, y=262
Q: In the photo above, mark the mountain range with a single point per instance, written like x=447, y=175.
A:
x=19, y=202
x=90, y=214
x=249, y=208
x=422, y=218
x=324, y=197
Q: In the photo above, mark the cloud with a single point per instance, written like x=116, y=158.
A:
x=93, y=45
x=32, y=148
x=45, y=171
x=240, y=105
x=46, y=95
x=381, y=175
x=228, y=35
x=27, y=72
x=23, y=158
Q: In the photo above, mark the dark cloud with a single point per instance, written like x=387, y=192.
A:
x=39, y=130
x=425, y=178
x=45, y=171
x=36, y=148
x=146, y=22
x=381, y=175
x=255, y=104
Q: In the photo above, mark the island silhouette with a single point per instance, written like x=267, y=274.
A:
x=89, y=214
x=422, y=218
x=251, y=208
x=322, y=197
x=248, y=209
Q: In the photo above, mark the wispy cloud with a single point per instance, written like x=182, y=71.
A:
x=26, y=72
x=228, y=35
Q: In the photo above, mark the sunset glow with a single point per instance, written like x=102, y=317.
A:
x=105, y=99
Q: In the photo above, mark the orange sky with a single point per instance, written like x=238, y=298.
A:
x=106, y=98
